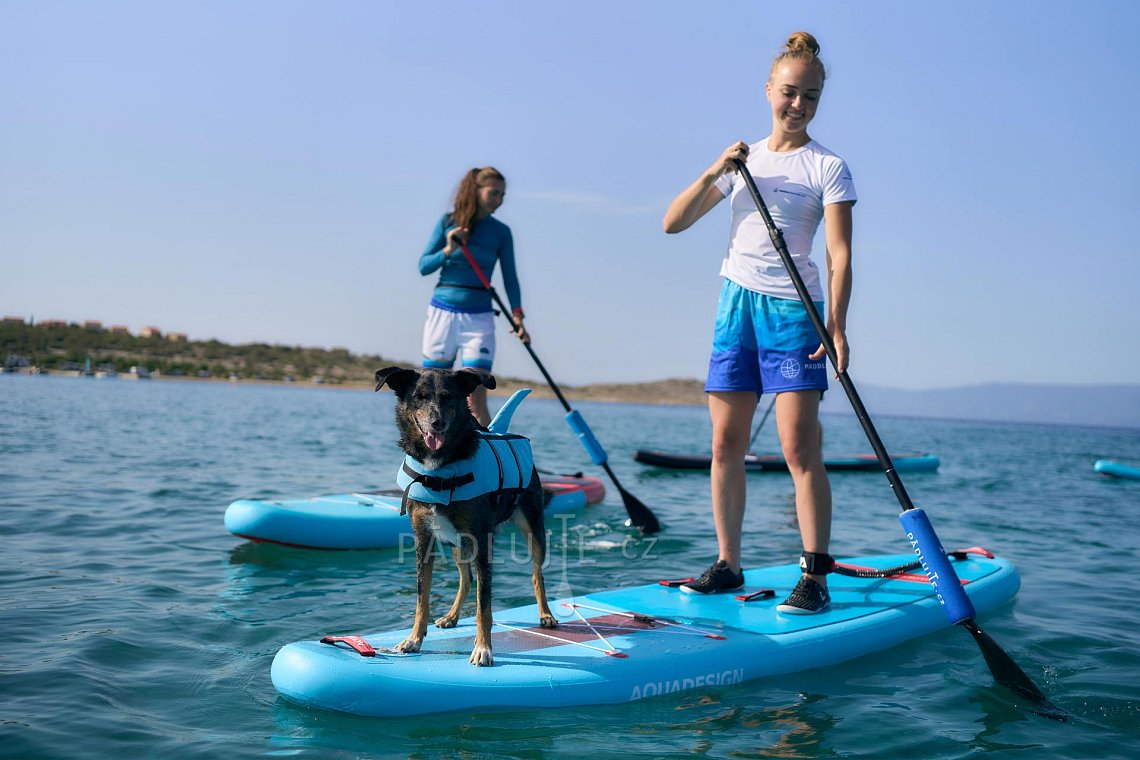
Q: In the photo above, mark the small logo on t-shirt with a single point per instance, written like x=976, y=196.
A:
x=790, y=192
x=789, y=368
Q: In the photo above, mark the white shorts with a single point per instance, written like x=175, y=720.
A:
x=471, y=336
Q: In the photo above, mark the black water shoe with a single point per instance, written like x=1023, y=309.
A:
x=717, y=578
x=807, y=598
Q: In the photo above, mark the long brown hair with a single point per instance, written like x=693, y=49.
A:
x=467, y=195
x=801, y=46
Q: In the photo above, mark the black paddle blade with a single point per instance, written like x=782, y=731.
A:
x=1010, y=675
x=639, y=515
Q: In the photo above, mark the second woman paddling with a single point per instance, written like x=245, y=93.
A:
x=764, y=341
x=460, y=318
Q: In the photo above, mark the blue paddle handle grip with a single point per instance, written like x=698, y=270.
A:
x=586, y=436
x=925, y=544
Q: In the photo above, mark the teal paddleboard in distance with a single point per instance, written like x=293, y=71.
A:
x=623, y=645
x=1116, y=469
x=369, y=520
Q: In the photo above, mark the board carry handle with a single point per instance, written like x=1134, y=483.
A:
x=362, y=647
x=764, y=593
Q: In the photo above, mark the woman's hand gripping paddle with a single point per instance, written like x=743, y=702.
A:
x=919, y=531
x=640, y=515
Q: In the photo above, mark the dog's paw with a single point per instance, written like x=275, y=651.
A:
x=481, y=656
x=547, y=621
x=447, y=621
x=410, y=644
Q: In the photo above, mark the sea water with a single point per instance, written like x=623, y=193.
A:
x=133, y=625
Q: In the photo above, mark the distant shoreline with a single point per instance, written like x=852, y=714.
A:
x=1108, y=406
x=674, y=392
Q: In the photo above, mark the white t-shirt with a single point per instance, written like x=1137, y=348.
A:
x=795, y=186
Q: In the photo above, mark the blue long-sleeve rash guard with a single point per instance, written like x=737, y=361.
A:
x=459, y=288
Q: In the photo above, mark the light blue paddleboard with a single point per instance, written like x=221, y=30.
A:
x=1116, y=470
x=624, y=645
x=369, y=520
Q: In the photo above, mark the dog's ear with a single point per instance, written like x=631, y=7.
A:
x=396, y=378
x=470, y=378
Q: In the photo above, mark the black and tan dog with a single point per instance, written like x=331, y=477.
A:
x=439, y=435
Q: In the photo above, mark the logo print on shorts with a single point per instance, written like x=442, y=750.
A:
x=789, y=368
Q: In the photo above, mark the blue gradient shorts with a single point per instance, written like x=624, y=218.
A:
x=447, y=333
x=761, y=344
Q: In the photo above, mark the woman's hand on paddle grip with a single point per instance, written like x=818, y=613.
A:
x=842, y=351
x=456, y=237
x=698, y=198
x=738, y=151
x=519, y=330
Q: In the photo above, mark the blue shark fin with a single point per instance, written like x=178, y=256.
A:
x=502, y=419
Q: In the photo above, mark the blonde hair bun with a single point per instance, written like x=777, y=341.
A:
x=801, y=46
x=802, y=42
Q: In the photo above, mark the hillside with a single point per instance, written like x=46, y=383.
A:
x=67, y=348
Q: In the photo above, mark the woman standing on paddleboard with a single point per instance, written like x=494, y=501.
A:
x=460, y=317
x=763, y=341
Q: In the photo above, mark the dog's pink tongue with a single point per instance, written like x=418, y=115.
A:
x=433, y=440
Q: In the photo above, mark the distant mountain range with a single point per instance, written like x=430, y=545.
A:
x=1096, y=405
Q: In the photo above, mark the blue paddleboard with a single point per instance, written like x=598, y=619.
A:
x=1116, y=470
x=905, y=462
x=628, y=644
x=369, y=520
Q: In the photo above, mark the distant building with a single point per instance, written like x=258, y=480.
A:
x=150, y=332
x=120, y=330
x=16, y=320
x=177, y=337
x=93, y=324
x=54, y=323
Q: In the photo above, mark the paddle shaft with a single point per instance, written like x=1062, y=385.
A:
x=1004, y=669
x=537, y=362
x=506, y=310
x=639, y=514
x=825, y=338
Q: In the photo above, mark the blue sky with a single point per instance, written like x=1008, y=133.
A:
x=270, y=171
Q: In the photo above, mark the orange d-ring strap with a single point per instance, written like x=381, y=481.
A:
x=764, y=593
x=362, y=647
x=961, y=553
